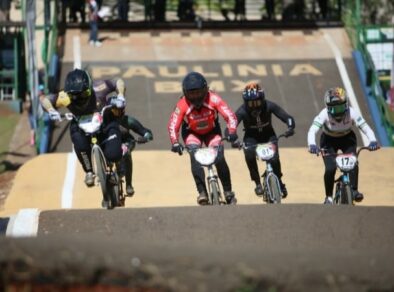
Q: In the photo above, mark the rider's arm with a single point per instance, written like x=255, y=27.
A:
x=227, y=113
x=362, y=124
x=317, y=124
x=120, y=87
x=282, y=115
x=133, y=124
x=175, y=120
x=53, y=102
x=240, y=114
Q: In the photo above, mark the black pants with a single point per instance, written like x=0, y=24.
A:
x=347, y=144
x=110, y=140
x=251, y=162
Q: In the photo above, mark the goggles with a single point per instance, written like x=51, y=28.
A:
x=336, y=110
x=84, y=94
x=254, y=103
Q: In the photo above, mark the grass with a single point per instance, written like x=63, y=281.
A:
x=8, y=122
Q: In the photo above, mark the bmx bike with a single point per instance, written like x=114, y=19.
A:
x=345, y=162
x=266, y=152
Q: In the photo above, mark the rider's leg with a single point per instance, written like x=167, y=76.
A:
x=127, y=166
x=112, y=148
x=224, y=176
x=350, y=146
x=193, y=142
x=251, y=163
x=82, y=148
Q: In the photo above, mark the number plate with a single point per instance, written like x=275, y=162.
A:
x=265, y=151
x=346, y=162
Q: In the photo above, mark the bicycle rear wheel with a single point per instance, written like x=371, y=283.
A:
x=274, y=193
x=346, y=195
x=100, y=168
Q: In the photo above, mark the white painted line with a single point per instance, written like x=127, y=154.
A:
x=345, y=78
x=25, y=224
x=68, y=185
x=77, y=52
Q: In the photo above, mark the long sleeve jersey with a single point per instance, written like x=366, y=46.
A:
x=333, y=128
x=261, y=125
x=203, y=120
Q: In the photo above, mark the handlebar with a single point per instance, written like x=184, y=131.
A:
x=70, y=116
x=241, y=145
x=323, y=151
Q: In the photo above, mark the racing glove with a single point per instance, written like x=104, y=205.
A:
x=118, y=101
x=177, y=148
x=313, y=149
x=289, y=132
x=54, y=115
x=373, y=146
x=232, y=137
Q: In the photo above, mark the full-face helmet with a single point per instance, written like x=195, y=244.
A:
x=337, y=102
x=195, y=88
x=254, y=97
x=78, y=86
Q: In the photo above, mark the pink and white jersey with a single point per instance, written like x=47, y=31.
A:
x=333, y=128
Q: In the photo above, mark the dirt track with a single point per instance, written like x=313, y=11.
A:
x=286, y=248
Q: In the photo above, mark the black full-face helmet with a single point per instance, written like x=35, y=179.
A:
x=337, y=102
x=254, y=97
x=78, y=86
x=195, y=88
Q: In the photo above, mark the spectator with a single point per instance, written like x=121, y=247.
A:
x=240, y=10
x=160, y=10
x=77, y=6
x=323, y=6
x=93, y=21
x=186, y=10
x=123, y=10
x=224, y=8
x=5, y=7
x=270, y=9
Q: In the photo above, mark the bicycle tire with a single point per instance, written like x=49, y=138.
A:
x=114, y=191
x=337, y=197
x=215, y=192
x=99, y=167
x=346, y=195
x=274, y=193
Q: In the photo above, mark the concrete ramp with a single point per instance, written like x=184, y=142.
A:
x=163, y=179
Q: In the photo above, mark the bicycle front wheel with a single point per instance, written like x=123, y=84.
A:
x=346, y=195
x=274, y=193
x=215, y=192
x=100, y=167
x=114, y=190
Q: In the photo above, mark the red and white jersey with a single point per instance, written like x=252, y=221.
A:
x=203, y=120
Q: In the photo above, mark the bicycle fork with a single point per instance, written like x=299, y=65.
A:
x=268, y=195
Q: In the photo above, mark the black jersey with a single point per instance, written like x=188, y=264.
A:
x=260, y=125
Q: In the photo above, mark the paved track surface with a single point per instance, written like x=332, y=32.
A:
x=162, y=240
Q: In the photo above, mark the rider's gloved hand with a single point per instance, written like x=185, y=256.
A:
x=177, y=148
x=313, y=149
x=289, y=132
x=232, y=137
x=148, y=136
x=373, y=146
x=236, y=144
x=118, y=101
x=54, y=115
